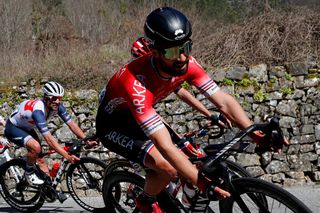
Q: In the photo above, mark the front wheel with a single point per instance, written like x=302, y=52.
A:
x=84, y=182
x=15, y=190
x=255, y=195
x=120, y=189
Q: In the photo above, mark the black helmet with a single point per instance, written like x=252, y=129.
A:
x=167, y=27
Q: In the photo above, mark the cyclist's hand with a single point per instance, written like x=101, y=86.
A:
x=213, y=192
x=220, y=193
x=91, y=143
x=274, y=143
x=190, y=151
x=220, y=120
x=73, y=159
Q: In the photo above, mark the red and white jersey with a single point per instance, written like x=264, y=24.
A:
x=33, y=113
x=137, y=86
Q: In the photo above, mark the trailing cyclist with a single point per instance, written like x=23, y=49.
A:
x=127, y=122
x=30, y=115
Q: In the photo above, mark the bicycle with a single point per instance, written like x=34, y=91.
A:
x=120, y=164
x=83, y=179
x=248, y=194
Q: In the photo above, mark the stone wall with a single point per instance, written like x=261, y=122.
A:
x=291, y=91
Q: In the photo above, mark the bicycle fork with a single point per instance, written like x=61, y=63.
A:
x=15, y=171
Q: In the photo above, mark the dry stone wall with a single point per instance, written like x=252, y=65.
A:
x=290, y=91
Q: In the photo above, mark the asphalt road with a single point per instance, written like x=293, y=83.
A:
x=310, y=195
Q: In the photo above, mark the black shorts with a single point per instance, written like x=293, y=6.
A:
x=120, y=133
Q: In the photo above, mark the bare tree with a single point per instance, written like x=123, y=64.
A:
x=267, y=7
x=15, y=22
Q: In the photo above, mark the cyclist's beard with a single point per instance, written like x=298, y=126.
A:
x=175, y=70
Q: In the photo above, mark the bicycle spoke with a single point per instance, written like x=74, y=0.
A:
x=85, y=183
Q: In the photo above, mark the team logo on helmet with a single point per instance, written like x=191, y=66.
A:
x=179, y=34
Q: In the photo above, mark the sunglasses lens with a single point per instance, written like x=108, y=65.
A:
x=54, y=98
x=174, y=52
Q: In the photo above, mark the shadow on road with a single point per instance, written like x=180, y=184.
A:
x=45, y=209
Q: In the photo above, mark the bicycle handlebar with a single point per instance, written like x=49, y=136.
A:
x=73, y=148
x=216, y=121
x=271, y=130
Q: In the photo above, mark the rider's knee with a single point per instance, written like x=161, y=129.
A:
x=166, y=167
x=34, y=147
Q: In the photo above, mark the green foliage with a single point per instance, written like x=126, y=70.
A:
x=259, y=96
x=123, y=7
x=286, y=91
x=228, y=82
x=272, y=81
x=288, y=77
x=313, y=73
x=186, y=85
x=236, y=95
x=245, y=82
x=245, y=104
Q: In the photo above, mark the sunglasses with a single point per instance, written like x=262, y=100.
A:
x=174, y=52
x=54, y=98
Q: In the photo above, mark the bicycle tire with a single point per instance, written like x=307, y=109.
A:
x=125, y=165
x=116, y=179
x=237, y=169
x=84, y=182
x=131, y=185
x=249, y=188
x=118, y=164
x=9, y=187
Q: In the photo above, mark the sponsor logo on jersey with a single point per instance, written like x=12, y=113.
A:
x=120, y=139
x=112, y=104
x=121, y=71
x=139, y=91
x=29, y=105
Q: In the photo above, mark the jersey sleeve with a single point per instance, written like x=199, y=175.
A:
x=140, y=101
x=64, y=115
x=40, y=121
x=198, y=77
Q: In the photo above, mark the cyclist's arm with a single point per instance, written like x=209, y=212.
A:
x=161, y=139
x=65, y=116
x=40, y=122
x=193, y=102
x=53, y=143
x=76, y=129
x=231, y=108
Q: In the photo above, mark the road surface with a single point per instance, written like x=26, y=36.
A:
x=310, y=195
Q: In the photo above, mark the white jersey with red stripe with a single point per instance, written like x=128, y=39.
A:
x=33, y=113
x=137, y=86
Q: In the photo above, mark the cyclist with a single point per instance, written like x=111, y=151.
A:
x=126, y=121
x=31, y=115
x=140, y=48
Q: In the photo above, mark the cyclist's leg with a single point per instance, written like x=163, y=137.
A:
x=40, y=160
x=160, y=174
x=23, y=138
x=131, y=142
